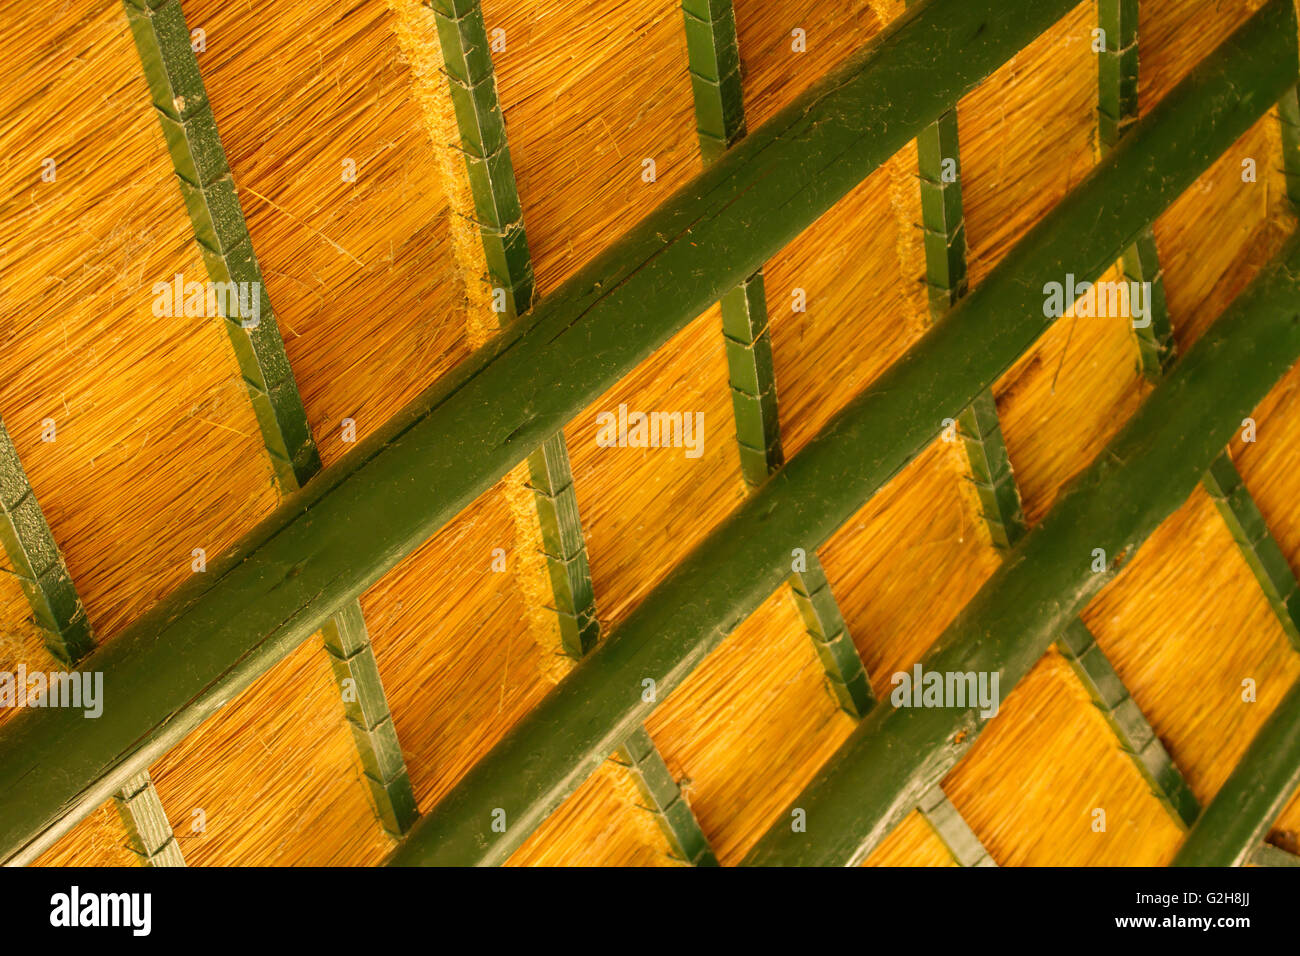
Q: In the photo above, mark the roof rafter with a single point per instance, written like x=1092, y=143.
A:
x=221, y=232
x=532, y=768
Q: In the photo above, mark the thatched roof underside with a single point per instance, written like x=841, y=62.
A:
x=379, y=289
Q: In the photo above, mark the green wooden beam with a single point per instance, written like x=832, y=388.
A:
x=953, y=830
x=207, y=185
x=663, y=796
x=191, y=654
x=1117, y=111
x=868, y=442
x=1236, y=821
x=1136, y=736
x=1141, y=478
x=58, y=612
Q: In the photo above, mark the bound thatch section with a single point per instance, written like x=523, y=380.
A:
x=380, y=152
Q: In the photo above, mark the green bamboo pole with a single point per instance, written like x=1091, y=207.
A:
x=548, y=753
x=58, y=612
x=663, y=796
x=1136, y=736
x=1141, y=478
x=1117, y=111
x=714, y=57
x=191, y=654
x=1233, y=825
x=953, y=830
x=162, y=38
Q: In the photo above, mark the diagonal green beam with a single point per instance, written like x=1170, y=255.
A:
x=1140, y=479
x=57, y=610
x=950, y=827
x=714, y=58
x=869, y=441
x=1234, y=824
x=191, y=654
x=466, y=52
x=1117, y=111
x=1288, y=109
x=1136, y=736
x=207, y=185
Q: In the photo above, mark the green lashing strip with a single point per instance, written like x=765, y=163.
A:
x=178, y=95
x=57, y=610
x=1288, y=109
x=148, y=830
x=663, y=796
x=943, y=225
x=720, y=119
x=37, y=562
x=176, y=86
x=1078, y=646
x=1117, y=111
x=830, y=636
x=953, y=830
x=1260, y=549
x=468, y=59
x=462, y=35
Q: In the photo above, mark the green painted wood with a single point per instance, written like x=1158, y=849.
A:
x=1141, y=478
x=1288, y=109
x=951, y=828
x=197, y=650
x=467, y=56
x=990, y=467
x=149, y=832
x=1136, y=736
x=1234, y=824
x=1117, y=111
x=37, y=562
x=1268, y=855
x=58, y=612
x=176, y=88
x=663, y=796
x=830, y=636
x=1257, y=545
x=869, y=441
x=714, y=62
x=171, y=69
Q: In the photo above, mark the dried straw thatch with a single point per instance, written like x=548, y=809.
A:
x=381, y=287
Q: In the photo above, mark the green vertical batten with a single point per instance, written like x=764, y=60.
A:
x=38, y=563
x=1117, y=111
x=663, y=796
x=148, y=830
x=1260, y=549
x=714, y=57
x=830, y=636
x=57, y=610
x=943, y=226
x=951, y=828
x=1288, y=111
x=467, y=55
x=1235, y=823
x=1136, y=736
x=176, y=86
x=1266, y=854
